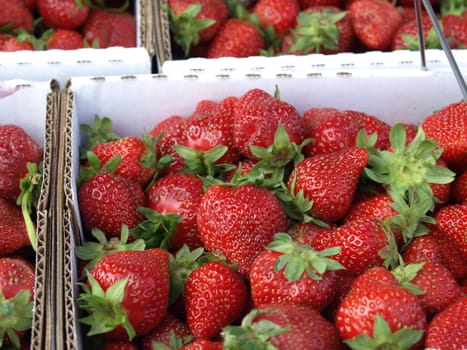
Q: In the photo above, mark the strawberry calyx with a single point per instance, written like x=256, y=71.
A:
x=94, y=166
x=250, y=334
x=94, y=251
x=384, y=339
x=405, y=274
x=452, y=7
x=96, y=134
x=316, y=30
x=104, y=308
x=30, y=187
x=16, y=316
x=296, y=258
x=431, y=41
x=151, y=161
x=157, y=229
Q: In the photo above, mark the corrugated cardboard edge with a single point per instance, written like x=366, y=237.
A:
x=162, y=32
x=145, y=15
x=42, y=327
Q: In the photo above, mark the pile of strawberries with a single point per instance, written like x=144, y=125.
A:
x=20, y=185
x=248, y=225
x=66, y=24
x=235, y=28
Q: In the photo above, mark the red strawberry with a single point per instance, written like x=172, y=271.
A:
x=455, y=27
x=459, y=188
x=107, y=201
x=309, y=232
x=447, y=329
x=194, y=22
x=203, y=344
x=17, y=279
x=15, y=44
x=178, y=194
x=13, y=233
x=65, y=39
x=329, y=181
x=451, y=222
x=238, y=222
x=320, y=29
x=257, y=116
x=279, y=14
x=375, y=22
x=105, y=28
x=372, y=124
x=17, y=148
x=31, y=5
x=308, y=3
x=171, y=326
x=283, y=326
x=215, y=296
x=288, y=272
x=406, y=36
x=13, y=13
x=113, y=295
x=448, y=127
x=362, y=244
x=236, y=38
x=370, y=298
x=65, y=14
x=162, y=126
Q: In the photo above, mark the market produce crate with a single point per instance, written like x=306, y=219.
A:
x=64, y=64
x=34, y=107
x=394, y=91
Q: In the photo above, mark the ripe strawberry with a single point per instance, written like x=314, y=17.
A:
x=451, y=222
x=13, y=13
x=447, y=329
x=406, y=36
x=448, y=127
x=65, y=39
x=238, y=222
x=65, y=14
x=31, y=5
x=309, y=232
x=279, y=14
x=15, y=44
x=459, y=188
x=329, y=181
x=455, y=27
x=107, y=201
x=257, y=116
x=13, y=233
x=17, y=279
x=372, y=124
x=194, y=22
x=113, y=299
x=203, y=344
x=104, y=28
x=320, y=29
x=236, y=38
x=164, y=124
x=287, y=271
x=282, y=326
x=163, y=334
x=373, y=298
x=17, y=148
x=374, y=22
x=178, y=194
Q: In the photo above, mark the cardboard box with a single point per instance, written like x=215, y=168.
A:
x=64, y=64
x=399, y=94
x=34, y=106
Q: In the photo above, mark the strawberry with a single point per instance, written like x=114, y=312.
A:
x=169, y=328
x=455, y=27
x=320, y=29
x=65, y=39
x=282, y=326
x=459, y=188
x=447, y=329
x=309, y=232
x=374, y=22
x=14, y=14
x=215, y=296
x=203, y=344
x=12, y=228
x=195, y=22
x=329, y=181
x=238, y=222
x=17, y=279
x=376, y=303
x=107, y=201
x=65, y=14
x=17, y=148
x=257, y=116
x=279, y=14
x=406, y=36
x=112, y=296
x=31, y=5
x=163, y=125
x=308, y=3
x=287, y=271
x=372, y=124
x=236, y=38
x=329, y=129
x=178, y=194
x=104, y=28
x=448, y=127
x=17, y=44
x=451, y=222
